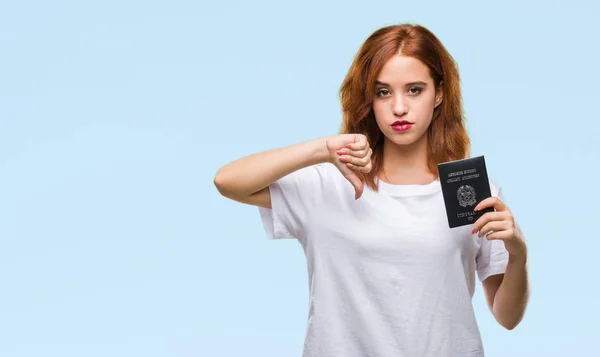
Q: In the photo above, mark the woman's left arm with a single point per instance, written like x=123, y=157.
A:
x=507, y=294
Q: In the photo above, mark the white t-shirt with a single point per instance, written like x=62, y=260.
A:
x=387, y=277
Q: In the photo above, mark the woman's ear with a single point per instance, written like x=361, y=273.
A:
x=439, y=94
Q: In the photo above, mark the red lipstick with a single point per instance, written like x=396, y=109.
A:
x=401, y=125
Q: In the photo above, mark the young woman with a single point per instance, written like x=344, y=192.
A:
x=387, y=277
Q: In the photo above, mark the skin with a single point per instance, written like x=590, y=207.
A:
x=404, y=162
x=507, y=294
x=405, y=91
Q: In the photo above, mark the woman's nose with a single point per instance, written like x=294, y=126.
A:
x=399, y=106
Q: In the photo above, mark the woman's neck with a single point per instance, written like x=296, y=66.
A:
x=406, y=164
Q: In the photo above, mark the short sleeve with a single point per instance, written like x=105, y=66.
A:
x=492, y=256
x=293, y=199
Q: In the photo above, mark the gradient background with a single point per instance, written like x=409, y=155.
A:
x=115, y=116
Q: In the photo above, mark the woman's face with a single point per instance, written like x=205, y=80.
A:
x=405, y=98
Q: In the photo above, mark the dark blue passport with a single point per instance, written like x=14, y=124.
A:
x=464, y=184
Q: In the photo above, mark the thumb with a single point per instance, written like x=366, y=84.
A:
x=357, y=183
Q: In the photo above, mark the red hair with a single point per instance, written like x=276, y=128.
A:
x=447, y=135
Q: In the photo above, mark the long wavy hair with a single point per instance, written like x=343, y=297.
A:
x=447, y=136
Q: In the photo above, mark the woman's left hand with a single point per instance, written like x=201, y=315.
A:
x=502, y=225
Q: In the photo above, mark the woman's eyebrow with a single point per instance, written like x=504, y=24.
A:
x=406, y=85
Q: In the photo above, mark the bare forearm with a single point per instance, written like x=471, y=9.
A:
x=250, y=174
x=512, y=296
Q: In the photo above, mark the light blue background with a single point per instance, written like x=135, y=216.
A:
x=115, y=116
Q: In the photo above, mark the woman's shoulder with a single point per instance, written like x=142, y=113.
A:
x=321, y=171
x=494, y=187
x=328, y=176
x=314, y=175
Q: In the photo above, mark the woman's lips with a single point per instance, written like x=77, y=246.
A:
x=401, y=125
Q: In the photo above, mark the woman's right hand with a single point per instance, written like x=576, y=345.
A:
x=351, y=153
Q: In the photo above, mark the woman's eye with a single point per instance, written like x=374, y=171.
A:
x=382, y=92
x=415, y=90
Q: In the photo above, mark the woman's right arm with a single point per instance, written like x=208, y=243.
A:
x=247, y=180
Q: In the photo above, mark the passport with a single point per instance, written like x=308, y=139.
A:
x=464, y=184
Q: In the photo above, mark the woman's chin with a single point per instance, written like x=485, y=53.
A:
x=407, y=139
